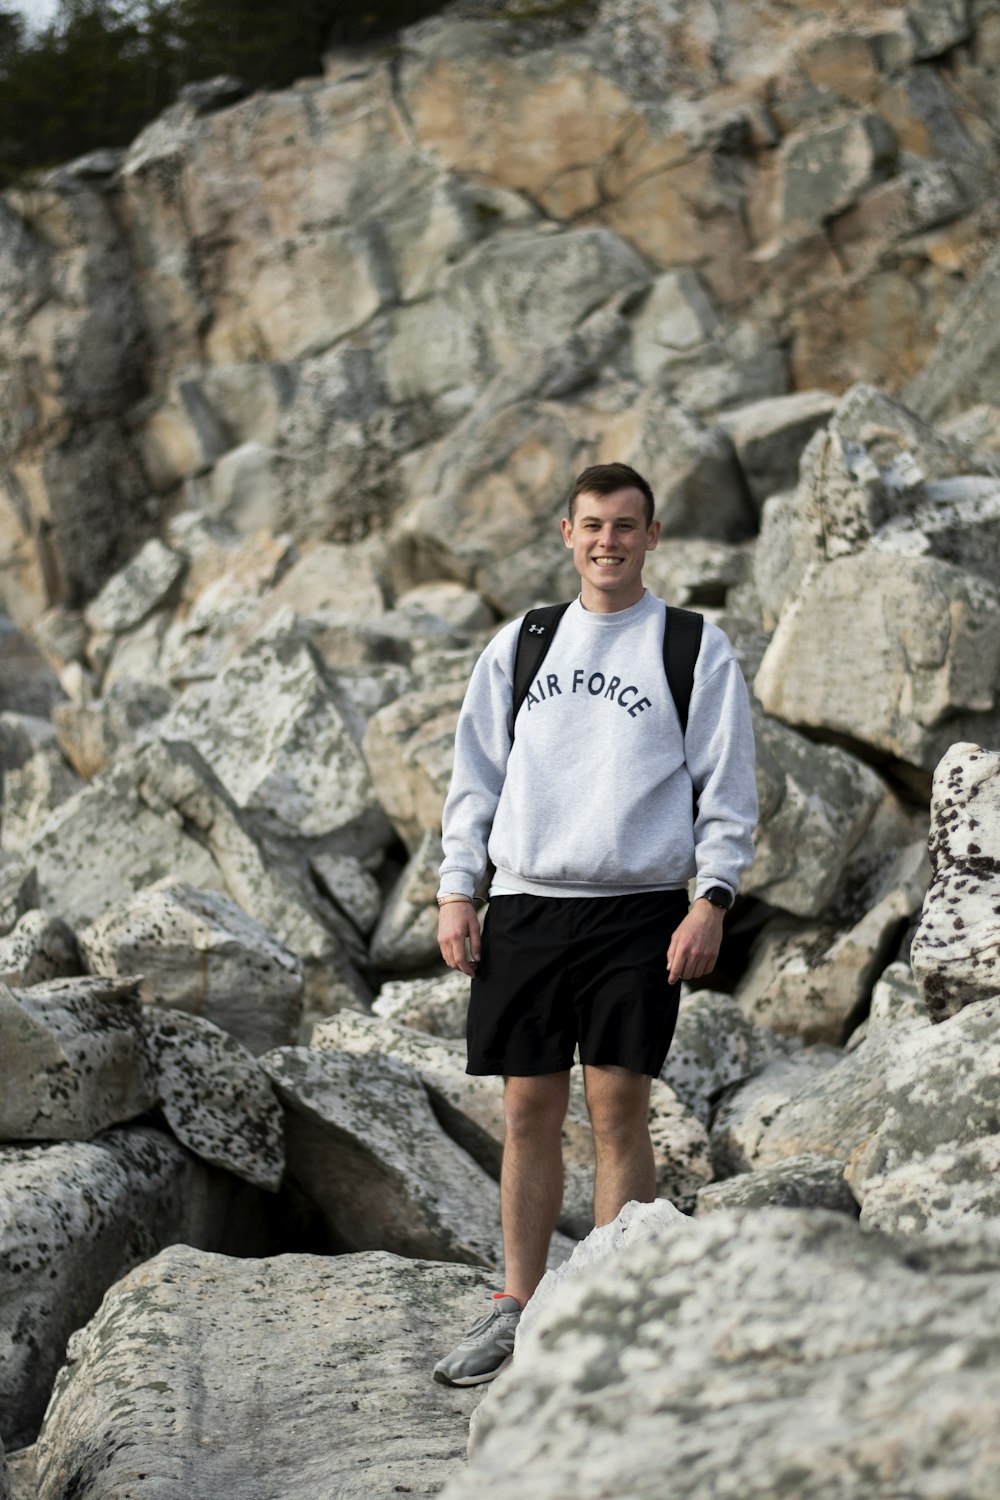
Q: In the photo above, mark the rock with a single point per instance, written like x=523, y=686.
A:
x=75, y=1059
x=896, y=1001
x=73, y=1218
x=946, y=1195
x=18, y=893
x=37, y=948
x=938, y=25
x=270, y=729
x=363, y=1144
x=461, y=609
x=917, y=643
x=826, y=169
x=715, y=1046
x=769, y=437
x=814, y=982
x=350, y=887
x=21, y=737
x=4, y=1475
x=664, y=1341
x=93, y=735
x=957, y=520
x=806, y=1181
x=437, y=1006
x=694, y=573
x=145, y=584
x=21, y=1470
x=27, y=683
x=816, y=1102
x=692, y=468
x=215, y=1098
x=956, y=950
x=409, y=746
x=961, y=370
x=406, y=934
x=355, y=1338
x=471, y=1110
x=31, y=794
x=677, y=317
x=198, y=952
x=815, y=803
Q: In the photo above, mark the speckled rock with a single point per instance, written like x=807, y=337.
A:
x=18, y=893
x=216, y=1099
x=31, y=793
x=135, y=591
x=198, y=952
x=814, y=981
x=409, y=746
x=815, y=803
x=21, y=1473
x=806, y=1181
x=93, y=735
x=770, y=435
x=949, y=1194
x=28, y=684
x=715, y=1047
x=956, y=950
x=350, y=886
x=38, y=947
x=362, y=1142
x=4, y=1476
x=405, y=936
x=710, y=1356
x=157, y=1383
x=73, y=1218
x=74, y=1059
x=437, y=1006
x=471, y=1110
x=270, y=729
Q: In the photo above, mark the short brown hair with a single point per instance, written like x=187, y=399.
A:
x=605, y=479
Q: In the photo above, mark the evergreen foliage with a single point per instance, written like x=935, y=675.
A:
x=104, y=68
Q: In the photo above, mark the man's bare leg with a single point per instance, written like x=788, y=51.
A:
x=618, y=1101
x=531, y=1178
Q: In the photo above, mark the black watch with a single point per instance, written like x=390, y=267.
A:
x=718, y=896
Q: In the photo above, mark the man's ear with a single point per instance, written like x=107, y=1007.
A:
x=566, y=527
x=652, y=536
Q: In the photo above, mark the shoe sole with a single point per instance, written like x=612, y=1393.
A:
x=463, y=1380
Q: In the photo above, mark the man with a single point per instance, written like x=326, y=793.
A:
x=596, y=811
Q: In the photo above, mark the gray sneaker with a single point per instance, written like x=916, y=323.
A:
x=486, y=1348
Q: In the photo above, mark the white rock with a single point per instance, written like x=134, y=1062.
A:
x=31, y=793
x=74, y=1059
x=769, y=437
x=143, y=585
x=945, y=1195
x=405, y=936
x=18, y=893
x=216, y=1099
x=436, y=1006
x=350, y=1343
x=807, y=1181
x=714, y=1046
x=956, y=950
x=198, y=952
x=73, y=1218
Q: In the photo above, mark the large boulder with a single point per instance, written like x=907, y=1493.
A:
x=437, y=1006
x=363, y=1143
x=157, y=1384
x=806, y=1181
x=769, y=437
x=714, y=1048
x=709, y=1355
x=198, y=952
x=73, y=1218
x=956, y=950
x=75, y=1059
x=962, y=368
x=409, y=746
x=405, y=935
x=216, y=1099
x=38, y=947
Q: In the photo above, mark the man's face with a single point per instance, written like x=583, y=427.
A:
x=609, y=538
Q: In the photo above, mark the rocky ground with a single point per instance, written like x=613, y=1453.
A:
x=294, y=388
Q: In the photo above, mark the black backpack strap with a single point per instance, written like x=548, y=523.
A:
x=537, y=631
x=681, y=644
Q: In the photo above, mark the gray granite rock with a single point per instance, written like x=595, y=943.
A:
x=38, y=947
x=437, y=1006
x=216, y=1099
x=31, y=793
x=93, y=735
x=18, y=893
x=197, y=951
x=405, y=935
x=715, y=1047
x=948, y=1194
x=961, y=370
x=4, y=1475
x=28, y=684
x=363, y=1143
x=74, y=1059
x=770, y=435
x=806, y=1181
x=21, y=1474
x=826, y=168
x=351, y=887
x=712, y=1357
x=73, y=1218
x=956, y=950
x=158, y=1383
x=141, y=586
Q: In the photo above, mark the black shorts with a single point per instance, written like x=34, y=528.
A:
x=560, y=972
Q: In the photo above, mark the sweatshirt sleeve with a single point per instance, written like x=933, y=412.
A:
x=719, y=748
x=482, y=745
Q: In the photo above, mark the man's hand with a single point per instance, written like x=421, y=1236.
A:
x=458, y=936
x=695, y=944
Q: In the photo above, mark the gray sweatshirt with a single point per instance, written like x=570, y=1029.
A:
x=593, y=796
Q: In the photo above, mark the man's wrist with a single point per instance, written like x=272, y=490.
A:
x=451, y=896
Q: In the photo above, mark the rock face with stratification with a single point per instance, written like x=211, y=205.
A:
x=710, y=1356
x=170, y=1386
x=956, y=950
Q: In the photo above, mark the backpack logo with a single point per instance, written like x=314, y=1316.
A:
x=536, y=629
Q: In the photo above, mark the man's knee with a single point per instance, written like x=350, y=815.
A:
x=535, y=1107
x=618, y=1104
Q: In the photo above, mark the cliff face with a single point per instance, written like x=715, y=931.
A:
x=485, y=245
